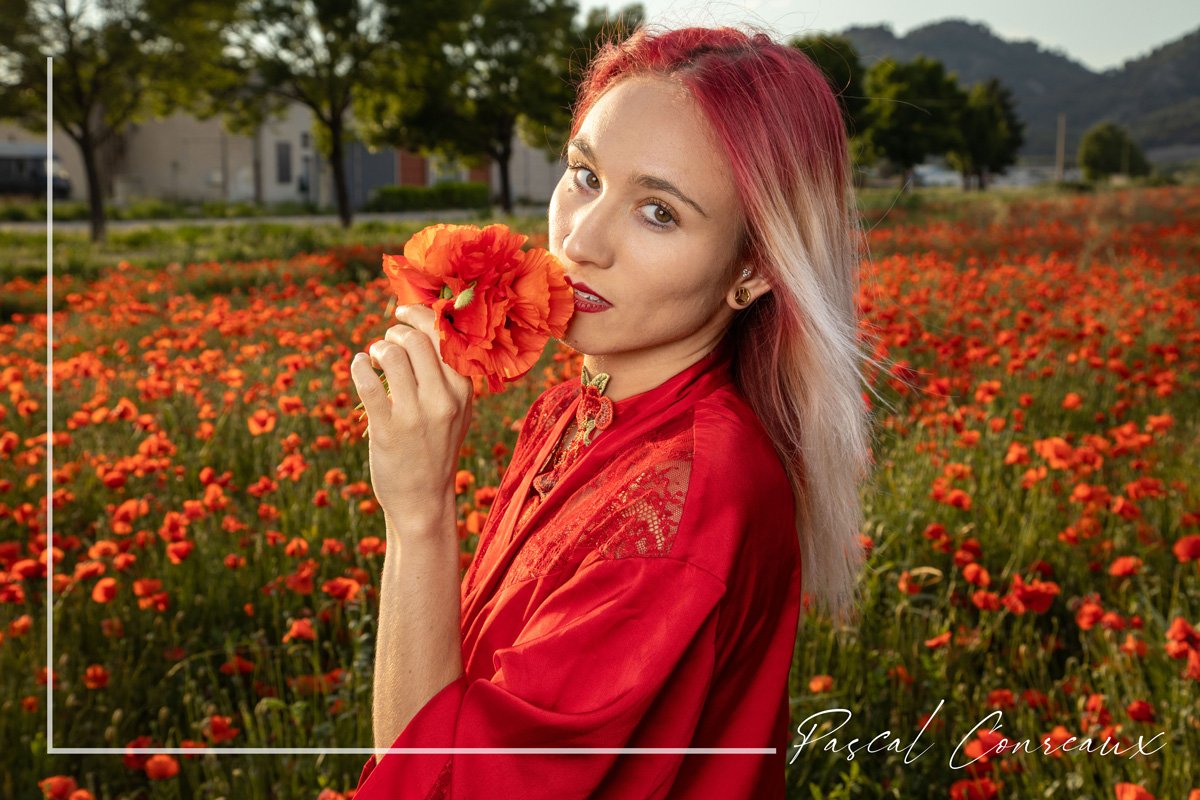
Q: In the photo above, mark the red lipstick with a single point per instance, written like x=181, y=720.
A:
x=587, y=299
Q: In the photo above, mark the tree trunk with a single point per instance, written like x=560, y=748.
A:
x=966, y=180
x=337, y=162
x=982, y=177
x=906, y=179
x=503, y=157
x=95, y=190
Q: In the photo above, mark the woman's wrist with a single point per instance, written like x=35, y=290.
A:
x=422, y=522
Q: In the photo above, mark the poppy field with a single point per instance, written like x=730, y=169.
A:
x=1030, y=615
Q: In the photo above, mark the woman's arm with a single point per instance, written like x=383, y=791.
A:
x=415, y=432
x=418, y=648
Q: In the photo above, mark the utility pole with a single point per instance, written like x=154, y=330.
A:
x=1060, y=154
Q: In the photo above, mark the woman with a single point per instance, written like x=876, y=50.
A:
x=638, y=580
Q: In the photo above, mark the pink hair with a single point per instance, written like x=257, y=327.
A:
x=798, y=358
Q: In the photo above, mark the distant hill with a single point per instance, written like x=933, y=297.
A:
x=1156, y=97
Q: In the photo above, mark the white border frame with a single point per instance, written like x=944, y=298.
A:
x=200, y=751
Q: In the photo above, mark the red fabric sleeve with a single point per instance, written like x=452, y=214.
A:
x=621, y=655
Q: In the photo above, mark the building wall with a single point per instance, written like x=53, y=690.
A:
x=367, y=171
x=411, y=170
x=186, y=159
x=533, y=175
x=292, y=168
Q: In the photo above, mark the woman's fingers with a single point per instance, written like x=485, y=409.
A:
x=370, y=389
x=401, y=383
x=423, y=318
x=425, y=363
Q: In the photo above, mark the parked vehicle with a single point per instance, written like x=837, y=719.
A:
x=23, y=171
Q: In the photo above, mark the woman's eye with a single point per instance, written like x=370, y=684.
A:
x=590, y=180
x=660, y=215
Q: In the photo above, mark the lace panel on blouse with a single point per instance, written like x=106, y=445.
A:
x=631, y=508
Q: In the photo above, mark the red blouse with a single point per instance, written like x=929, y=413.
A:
x=646, y=595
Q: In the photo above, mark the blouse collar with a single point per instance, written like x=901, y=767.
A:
x=712, y=370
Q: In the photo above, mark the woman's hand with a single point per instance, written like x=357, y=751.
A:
x=416, y=433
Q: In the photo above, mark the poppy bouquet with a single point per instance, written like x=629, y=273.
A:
x=496, y=305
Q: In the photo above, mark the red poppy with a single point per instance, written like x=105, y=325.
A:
x=160, y=767
x=1187, y=548
x=301, y=629
x=220, y=729
x=104, y=590
x=1125, y=566
x=1131, y=791
x=820, y=683
x=496, y=305
x=57, y=787
x=95, y=677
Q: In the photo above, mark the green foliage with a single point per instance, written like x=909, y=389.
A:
x=321, y=55
x=422, y=198
x=837, y=58
x=114, y=64
x=1107, y=150
x=600, y=26
x=502, y=64
x=915, y=111
x=992, y=133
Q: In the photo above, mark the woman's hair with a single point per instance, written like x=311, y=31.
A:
x=798, y=356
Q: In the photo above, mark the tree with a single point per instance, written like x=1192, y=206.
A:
x=1107, y=150
x=914, y=110
x=506, y=63
x=992, y=133
x=114, y=64
x=837, y=58
x=321, y=54
x=599, y=25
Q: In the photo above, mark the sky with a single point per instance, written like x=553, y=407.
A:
x=1100, y=34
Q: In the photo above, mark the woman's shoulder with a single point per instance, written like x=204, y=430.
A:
x=732, y=447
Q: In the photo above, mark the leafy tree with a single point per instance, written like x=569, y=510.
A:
x=838, y=59
x=598, y=25
x=914, y=109
x=114, y=64
x=322, y=54
x=992, y=133
x=1107, y=150
x=601, y=24
x=506, y=65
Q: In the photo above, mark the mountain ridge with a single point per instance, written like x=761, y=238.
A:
x=1156, y=96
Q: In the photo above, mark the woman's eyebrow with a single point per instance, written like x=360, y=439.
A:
x=649, y=181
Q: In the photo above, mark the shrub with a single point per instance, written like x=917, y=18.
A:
x=424, y=198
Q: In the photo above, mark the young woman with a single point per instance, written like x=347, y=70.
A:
x=638, y=581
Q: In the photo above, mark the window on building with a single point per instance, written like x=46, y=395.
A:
x=283, y=162
x=304, y=141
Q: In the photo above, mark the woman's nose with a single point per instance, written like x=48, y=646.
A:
x=589, y=239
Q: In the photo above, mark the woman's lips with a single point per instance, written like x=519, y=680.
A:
x=587, y=300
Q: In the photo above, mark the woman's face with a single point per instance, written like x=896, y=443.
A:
x=646, y=217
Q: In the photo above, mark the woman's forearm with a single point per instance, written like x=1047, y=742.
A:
x=418, y=650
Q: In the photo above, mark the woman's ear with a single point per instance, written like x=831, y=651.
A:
x=748, y=287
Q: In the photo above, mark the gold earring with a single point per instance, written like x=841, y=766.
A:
x=742, y=296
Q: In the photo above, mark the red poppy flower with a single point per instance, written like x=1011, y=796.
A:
x=161, y=767
x=820, y=683
x=1187, y=548
x=301, y=629
x=1131, y=791
x=220, y=729
x=57, y=787
x=496, y=305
